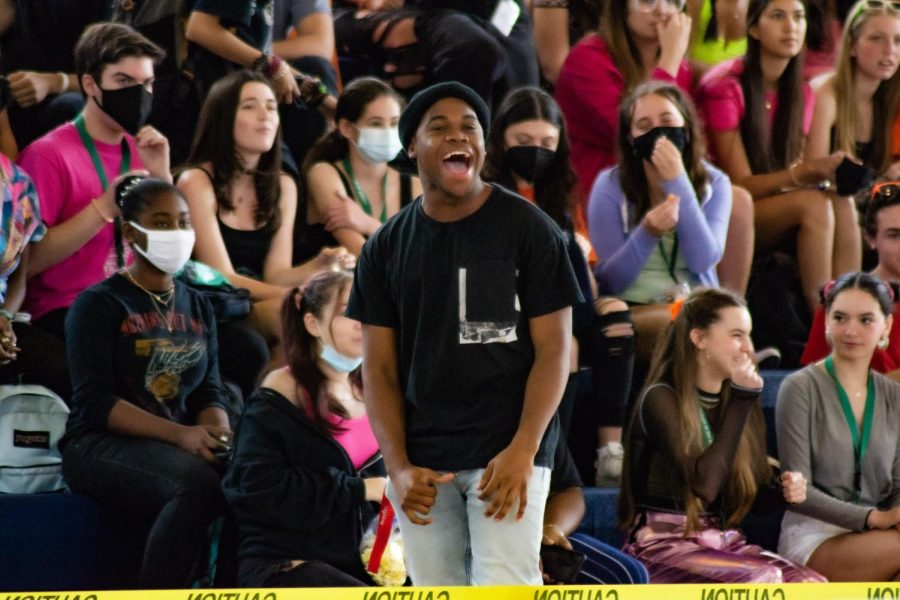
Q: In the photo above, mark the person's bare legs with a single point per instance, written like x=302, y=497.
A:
x=734, y=268
x=847, y=253
x=872, y=555
x=809, y=213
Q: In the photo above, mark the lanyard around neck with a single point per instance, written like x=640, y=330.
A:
x=361, y=195
x=860, y=438
x=125, y=166
x=670, y=260
x=91, y=148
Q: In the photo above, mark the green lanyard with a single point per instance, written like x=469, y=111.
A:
x=860, y=439
x=670, y=260
x=361, y=195
x=124, y=167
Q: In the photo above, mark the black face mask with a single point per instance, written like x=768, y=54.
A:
x=529, y=162
x=643, y=145
x=129, y=107
x=852, y=177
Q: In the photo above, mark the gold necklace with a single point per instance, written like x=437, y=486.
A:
x=165, y=298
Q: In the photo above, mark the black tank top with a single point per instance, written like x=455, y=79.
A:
x=247, y=248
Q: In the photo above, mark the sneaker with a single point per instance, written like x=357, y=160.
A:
x=768, y=358
x=609, y=465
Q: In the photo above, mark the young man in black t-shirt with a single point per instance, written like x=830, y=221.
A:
x=465, y=298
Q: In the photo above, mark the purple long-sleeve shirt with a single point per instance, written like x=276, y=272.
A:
x=623, y=249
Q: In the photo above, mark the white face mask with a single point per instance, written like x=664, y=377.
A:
x=378, y=144
x=167, y=249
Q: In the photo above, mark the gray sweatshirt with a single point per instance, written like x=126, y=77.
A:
x=813, y=438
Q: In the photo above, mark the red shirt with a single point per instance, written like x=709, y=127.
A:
x=883, y=361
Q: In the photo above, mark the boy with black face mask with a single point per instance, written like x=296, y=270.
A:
x=75, y=167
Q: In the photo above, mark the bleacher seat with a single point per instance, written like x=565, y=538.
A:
x=67, y=542
x=71, y=542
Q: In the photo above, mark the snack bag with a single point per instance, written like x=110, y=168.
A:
x=381, y=548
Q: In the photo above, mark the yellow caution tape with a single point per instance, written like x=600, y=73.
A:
x=793, y=591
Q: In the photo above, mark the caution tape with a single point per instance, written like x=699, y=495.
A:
x=794, y=591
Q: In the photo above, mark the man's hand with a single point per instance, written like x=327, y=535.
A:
x=153, y=148
x=416, y=491
x=31, y=87
x=505, y=480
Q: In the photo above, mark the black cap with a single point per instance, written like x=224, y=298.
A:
x=421, y=102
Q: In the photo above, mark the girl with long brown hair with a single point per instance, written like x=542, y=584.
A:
x=758, y=110
x=695, y=458
x=306, y=463
x=856, y=106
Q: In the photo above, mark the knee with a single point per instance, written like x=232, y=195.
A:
x=198, y=482
x=741, y=206
x=613, y=327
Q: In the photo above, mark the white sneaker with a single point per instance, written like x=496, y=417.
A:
x=609, y=465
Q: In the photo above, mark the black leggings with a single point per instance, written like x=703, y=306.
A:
x=151, y=479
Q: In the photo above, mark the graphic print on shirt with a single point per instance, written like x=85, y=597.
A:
x=488, y=303
x=168, y=360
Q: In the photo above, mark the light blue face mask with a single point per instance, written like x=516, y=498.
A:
x=338, y=361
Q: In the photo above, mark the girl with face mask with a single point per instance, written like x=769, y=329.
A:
x=528, y=152
x=306, y=466
x=348, y=188
x=658, y=219
x=148, y=417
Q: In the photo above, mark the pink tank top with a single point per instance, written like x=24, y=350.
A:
x=357, y=438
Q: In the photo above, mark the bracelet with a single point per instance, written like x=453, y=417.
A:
x=63, y=82
x=793, y=166
x=9, y=316
x=99, y=210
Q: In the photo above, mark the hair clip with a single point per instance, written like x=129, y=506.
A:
x=675, y=308
x=125, y=186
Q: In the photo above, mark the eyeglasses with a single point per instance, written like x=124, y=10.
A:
x=864, y=5
x=676, y=5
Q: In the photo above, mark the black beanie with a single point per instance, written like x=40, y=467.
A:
x=421, y=102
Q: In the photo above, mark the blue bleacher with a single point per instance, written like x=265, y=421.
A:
x=70, y=542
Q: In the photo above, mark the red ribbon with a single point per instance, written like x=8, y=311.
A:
x=382, y=535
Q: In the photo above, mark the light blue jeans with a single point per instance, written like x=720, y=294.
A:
x=463, y=547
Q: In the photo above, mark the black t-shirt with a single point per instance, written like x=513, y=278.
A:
x=250, y=20
x=459, y=296
x=119, y=347
x=564, y=474
x=25, y=44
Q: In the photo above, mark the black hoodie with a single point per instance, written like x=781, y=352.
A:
x=294, y=490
